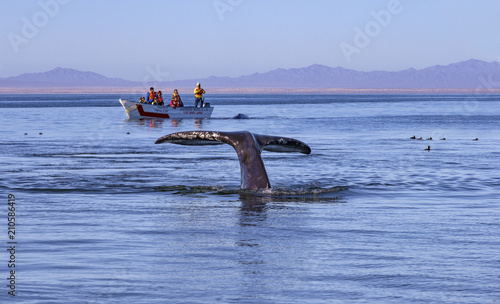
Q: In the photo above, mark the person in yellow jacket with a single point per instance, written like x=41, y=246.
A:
x=198, y=95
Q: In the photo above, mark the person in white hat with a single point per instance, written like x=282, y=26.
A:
x=198, y=95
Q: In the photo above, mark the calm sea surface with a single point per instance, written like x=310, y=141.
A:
x=103, y=215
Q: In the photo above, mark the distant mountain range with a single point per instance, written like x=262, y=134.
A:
x=468, y=74
x=63, y=77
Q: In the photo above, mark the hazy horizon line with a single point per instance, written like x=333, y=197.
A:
x=242, y=75
x=249, y=91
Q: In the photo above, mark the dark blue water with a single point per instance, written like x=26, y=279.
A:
x=103, y=215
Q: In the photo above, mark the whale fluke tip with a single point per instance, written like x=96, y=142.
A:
x=282, y=144
x=192, y=138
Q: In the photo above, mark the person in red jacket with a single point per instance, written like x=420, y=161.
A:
x=159, y=98
x=176, y=100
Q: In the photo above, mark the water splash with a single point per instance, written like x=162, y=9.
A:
x=284, y=194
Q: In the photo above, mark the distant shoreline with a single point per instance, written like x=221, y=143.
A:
x=136, y=90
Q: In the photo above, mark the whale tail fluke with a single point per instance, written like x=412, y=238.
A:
x=262, y=142
x=247, y=145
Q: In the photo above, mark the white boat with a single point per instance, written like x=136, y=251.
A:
x=145, y=110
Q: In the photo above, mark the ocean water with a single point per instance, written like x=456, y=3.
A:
x=103, y=215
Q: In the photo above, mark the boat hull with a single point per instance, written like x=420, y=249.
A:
x=136, y=110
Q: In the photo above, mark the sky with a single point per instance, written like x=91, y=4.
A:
x=189, y=39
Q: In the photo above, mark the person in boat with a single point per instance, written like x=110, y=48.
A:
x=198, y=95
x=176, y=100
x=181, y=104
x=142, y=100
x=151, y=95
x=159, y=98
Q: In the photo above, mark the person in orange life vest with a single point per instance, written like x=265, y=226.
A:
x=198, y=95
x=176, y=100
x=159, y=98
x=151, y=95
